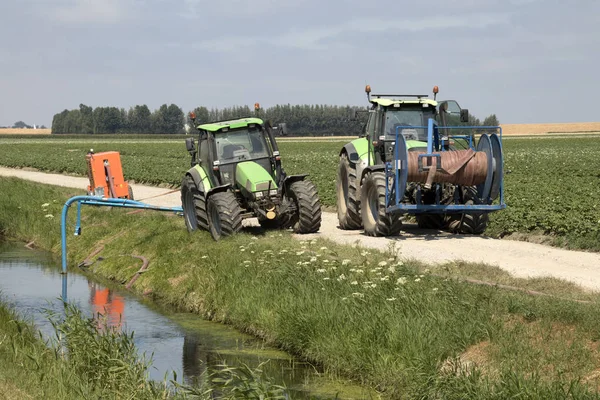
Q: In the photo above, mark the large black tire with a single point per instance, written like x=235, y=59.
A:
x=224, y=215
x=375, y=219
x=348, y=203
x=194, y=205
x=430, y=221
x=468, y=223
x=307, y=218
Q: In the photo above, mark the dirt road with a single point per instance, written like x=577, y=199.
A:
x=521, y=259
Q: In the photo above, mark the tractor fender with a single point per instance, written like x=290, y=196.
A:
x=291, y=179
x=217, y=189
x=371, y=168
x=349, y=150
x=195, y=175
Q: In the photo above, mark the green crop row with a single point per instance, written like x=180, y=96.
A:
x=551, y=185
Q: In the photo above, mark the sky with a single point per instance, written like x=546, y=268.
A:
x=527, y=61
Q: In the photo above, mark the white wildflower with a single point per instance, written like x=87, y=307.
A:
x=418, y=280
x=357, y=294
x=45, y=205
x=345, y=262
x=254, y=238
x=49, y=216
x=313, y=259
x=401, y=280
x=299, y=253
x=354, y=283
x=321, y=270
x=385, y=278
x=382, y=263
x=359, y=271
x=364, y=253
x=344, y=298
x=435, y=289
x=326, y=278
x=391, y=269
x=204, y=256
x=247, y=261
x=323, y=248
x=326, y=261
x=391, y=299
x=341, y=277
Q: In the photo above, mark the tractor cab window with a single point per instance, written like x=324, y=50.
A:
x=407, y=122
x=240, y=145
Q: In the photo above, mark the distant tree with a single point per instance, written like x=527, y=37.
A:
x=86, y=119
x=140, y=119
x=21, y=125
x=491, y=120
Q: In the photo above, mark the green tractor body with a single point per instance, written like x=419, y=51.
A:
x=236, y=173
x=375, y=166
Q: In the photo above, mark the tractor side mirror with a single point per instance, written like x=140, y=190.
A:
x=189, y=144
x=464, y=115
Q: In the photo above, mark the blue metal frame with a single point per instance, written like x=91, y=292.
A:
x=96, y=201
x=433, y=144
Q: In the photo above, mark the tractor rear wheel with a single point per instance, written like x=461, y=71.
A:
x=348, y=203
x=375, y=219
x=468, y=223
x=224, y=215
x=307, y=218
x=194, y=205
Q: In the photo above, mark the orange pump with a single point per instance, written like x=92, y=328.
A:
x=106, y=175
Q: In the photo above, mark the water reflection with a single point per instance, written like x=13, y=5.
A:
x=183, y=343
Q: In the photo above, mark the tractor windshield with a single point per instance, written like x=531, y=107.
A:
x=404, y=120
x=241, y=144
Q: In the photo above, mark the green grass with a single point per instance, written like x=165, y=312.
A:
x=550, y=183
x=360, y=314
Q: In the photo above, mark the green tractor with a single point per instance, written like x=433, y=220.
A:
x=416, y=156
x=236, y=173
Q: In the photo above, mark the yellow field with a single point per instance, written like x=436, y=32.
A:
x=24, y=131
x=540, y=129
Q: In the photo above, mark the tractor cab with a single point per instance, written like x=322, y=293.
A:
x=409, y=116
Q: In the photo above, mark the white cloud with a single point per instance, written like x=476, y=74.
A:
x=91, y=11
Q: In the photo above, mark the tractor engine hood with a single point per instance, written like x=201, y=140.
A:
x=252, y=177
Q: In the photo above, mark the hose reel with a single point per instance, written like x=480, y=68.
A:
x=481, y=168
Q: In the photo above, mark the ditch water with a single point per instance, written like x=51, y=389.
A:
x=178, y=342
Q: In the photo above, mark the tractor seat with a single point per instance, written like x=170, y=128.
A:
x=230, y=148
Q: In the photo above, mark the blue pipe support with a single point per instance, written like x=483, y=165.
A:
x=97, y=201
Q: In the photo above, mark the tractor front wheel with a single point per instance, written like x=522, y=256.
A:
x=307, y=218
x=375, y=219
x=224, y=215
x=468, y=223
x=194, y=205
x=348, y=203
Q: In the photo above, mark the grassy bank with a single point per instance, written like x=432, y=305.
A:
x=360, y=314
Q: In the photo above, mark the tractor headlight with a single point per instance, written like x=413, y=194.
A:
x=259, y=195
x=273, y=192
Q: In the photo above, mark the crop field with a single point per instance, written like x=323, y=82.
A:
x=551, y=185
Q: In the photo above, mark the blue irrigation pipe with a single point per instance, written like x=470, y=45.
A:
x=98, y=201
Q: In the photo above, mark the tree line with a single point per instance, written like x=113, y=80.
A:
x=301, y=120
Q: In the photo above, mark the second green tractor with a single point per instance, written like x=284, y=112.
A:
x=236, y=173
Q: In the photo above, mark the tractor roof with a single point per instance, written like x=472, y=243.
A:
x=386, y=102
x=231, y=124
